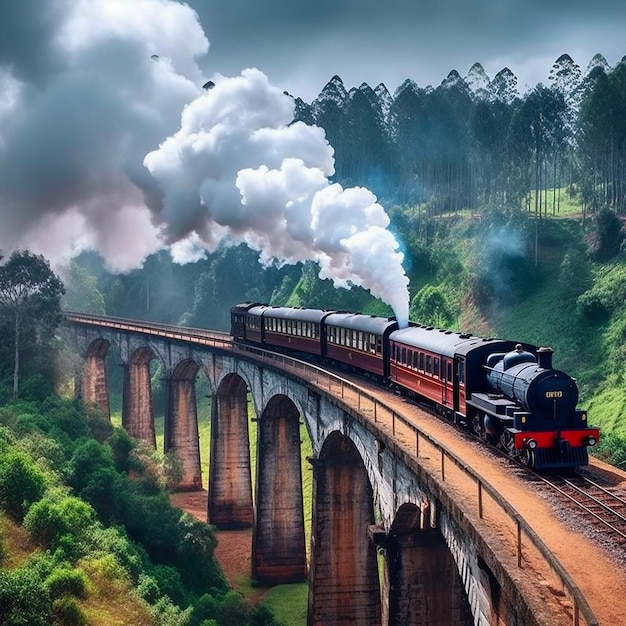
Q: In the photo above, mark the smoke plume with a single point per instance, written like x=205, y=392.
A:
x=109, y=142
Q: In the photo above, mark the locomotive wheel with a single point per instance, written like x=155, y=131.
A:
x=477, y=425
x=527, y=457
x=507, y=444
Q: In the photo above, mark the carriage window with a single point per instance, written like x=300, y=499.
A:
x=403, y=359
x=461, y=372
x=429, y=364
x=359, y=340
x=436, y=367
x=415, y=359
x=449, y=371
x=421, y=361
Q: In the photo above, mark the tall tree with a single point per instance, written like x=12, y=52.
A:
x=30, y=293
x=602, y=139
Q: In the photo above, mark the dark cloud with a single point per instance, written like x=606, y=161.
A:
x=27, y=29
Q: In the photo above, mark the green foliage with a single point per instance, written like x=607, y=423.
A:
x=67, y=612
x=606, y=235
x=22, y=483
x=61, y=522
x=23, y=601
x=30, y=311
x=575, y=274
x=168, y=553
x=500, y=269
x=64, y=581
x=234, y=610
x=430, y=306
x=121, y=445
x=606, y=296
x=612, y=449
x=82, y=291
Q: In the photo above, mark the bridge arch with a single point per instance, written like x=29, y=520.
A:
x=278, y=540
x=181, y=434
x=230, y=503
x=344, y=587
x=424, y=587
x=94, y=385
x=137, y=402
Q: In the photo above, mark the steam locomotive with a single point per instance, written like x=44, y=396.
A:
x=506, y=392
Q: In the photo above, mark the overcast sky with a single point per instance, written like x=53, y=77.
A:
x=109, y=142
x=301, y=45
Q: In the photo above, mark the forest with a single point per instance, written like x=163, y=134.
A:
x=510, y=210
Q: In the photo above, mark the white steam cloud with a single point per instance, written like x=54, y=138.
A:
x=81, y=168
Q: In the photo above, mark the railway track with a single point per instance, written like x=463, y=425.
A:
x=602, y=508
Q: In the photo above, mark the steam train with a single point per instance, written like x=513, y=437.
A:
x=506, y=392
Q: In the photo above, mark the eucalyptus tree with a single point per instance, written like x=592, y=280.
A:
x=538, y=133
x=404, y=113
x=30, y=297
x=503, y=87
x=602, y=139
x=328, y=111
x=367, y=144
x=567, y=81
x=489, y=130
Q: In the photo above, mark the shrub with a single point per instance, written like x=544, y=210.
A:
x=430, y=306
x=60, y=521
x=606, y=235
x=65, y=581
x=234, y=610
x=106, y=573
x=21, y=483
x=68, y=613
x=611, y=449
x=23, y=601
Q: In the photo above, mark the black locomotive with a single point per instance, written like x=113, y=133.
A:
x=507, y=392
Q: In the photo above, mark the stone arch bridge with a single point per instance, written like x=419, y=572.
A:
x=391, y=542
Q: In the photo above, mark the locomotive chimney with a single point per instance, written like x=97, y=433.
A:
x=544, y=358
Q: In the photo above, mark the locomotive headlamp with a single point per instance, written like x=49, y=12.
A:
x=591, y=440
x=531, y=443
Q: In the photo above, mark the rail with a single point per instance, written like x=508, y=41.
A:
x=348, y=390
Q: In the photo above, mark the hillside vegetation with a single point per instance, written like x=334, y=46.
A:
x=88, y=535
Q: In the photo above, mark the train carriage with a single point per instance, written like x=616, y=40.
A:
x=246, y=322
x=441, y=366
x=293, y=328
x=360, y=341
